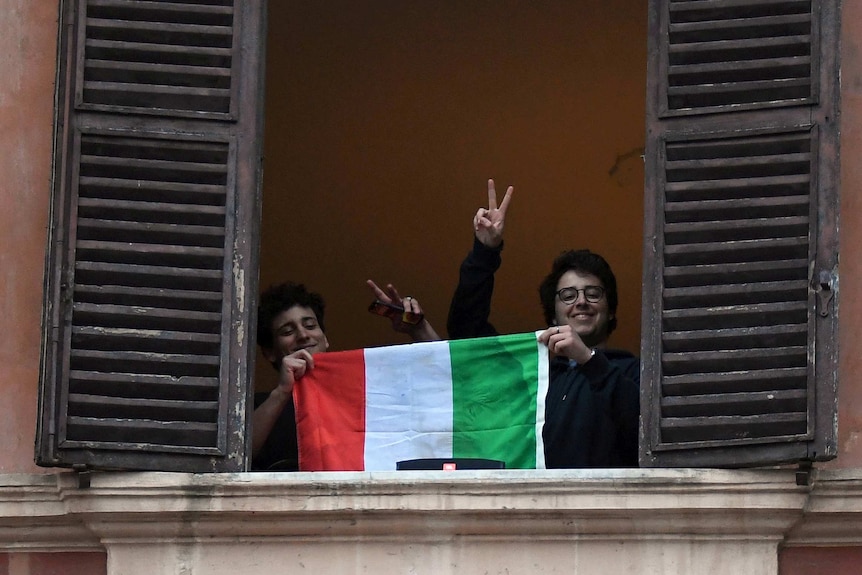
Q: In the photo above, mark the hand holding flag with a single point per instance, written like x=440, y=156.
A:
x=476, y=398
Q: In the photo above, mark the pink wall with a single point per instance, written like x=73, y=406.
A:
x=53, y=564
x=820, y=561
x=402, y=182
x=423, y=179
x=850, y=335
x=836, y=560
x=28, y=35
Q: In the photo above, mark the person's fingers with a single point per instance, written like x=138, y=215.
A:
x=556, y=337
x=506, y=199
x=412, y=305
x=492, y=196
x=309, y=360
x=480, y=217
x=292, y=364
x=300, y=359
x=393, y=294
x=545, y=336
x=379, y=294
x=483, y=219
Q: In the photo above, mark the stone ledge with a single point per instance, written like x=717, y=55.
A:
x=614, y=504
x=833, y=512
x=671, y=521
x=51, y=511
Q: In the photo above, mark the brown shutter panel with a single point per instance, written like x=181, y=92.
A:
x=152, y=263
x=740, y=285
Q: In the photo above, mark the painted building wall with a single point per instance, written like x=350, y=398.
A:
x=850, y=329
x=28, y=39
x=28, y=30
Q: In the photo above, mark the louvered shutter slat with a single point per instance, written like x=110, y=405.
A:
x=125, y=231
x=107, y=384
x=739, y=187
x=716, y=274
x=97, y=274
x=734, y=338
x=730, y=403
x=728, y=294
x=699, y=431
x=743, y=229
x=115, y=405
x=680, y=386
x=134, y=434
x=208, y=60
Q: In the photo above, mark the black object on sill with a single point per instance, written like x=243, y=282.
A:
x=450, y=464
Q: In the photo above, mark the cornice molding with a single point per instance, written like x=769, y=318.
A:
x=608, y=504
x=51, y=512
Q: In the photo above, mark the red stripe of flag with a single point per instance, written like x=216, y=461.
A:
x=335, y=391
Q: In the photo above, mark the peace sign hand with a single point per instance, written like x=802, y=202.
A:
x=488, y=222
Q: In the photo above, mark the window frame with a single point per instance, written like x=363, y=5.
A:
x=242, y=253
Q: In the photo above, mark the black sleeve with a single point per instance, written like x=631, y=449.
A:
x=619, y=383
x=471, y=303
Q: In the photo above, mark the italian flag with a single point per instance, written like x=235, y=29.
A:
x=367, y=409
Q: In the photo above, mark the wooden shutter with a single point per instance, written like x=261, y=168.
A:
x=152, y=259
x=741, y=279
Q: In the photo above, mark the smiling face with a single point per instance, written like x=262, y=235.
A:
x=293, y=329
x=589, y=320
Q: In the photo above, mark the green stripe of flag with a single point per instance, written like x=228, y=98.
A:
x=494, y=391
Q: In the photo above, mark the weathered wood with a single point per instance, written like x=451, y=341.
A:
x=726, y=430
x=740, y=171
x=149, y=347
x=730, y=56
x=144, y=385
x=727, y=404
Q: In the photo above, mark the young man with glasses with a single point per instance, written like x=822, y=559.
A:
x=593, y=403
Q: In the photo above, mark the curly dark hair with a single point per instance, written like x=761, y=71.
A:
x=583, y=261
x=278, y=298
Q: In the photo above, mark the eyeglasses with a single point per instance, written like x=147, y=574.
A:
x=569, y=295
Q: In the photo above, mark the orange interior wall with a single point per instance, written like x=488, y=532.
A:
x=384, y=119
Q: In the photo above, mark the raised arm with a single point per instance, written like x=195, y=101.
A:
x=470, y=309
